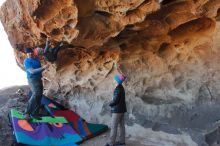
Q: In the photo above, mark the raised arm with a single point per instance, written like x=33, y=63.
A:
x=119, y=70
x=31, y=70
x=47, y=45
x=35, y=71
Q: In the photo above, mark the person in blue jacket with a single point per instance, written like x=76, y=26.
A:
x=118, y=108
x=34, y=71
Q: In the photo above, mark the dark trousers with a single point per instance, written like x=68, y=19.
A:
x=34, y=102
x=51, y=53
x=56, y=49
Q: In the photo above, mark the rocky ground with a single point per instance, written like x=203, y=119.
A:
x=192, y=126
x=9, y=99
x=101, y=141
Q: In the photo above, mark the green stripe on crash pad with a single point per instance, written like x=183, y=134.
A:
x=16, y=114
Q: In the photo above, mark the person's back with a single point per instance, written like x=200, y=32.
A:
x=119, y=93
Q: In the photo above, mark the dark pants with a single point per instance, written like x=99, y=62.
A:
x=34, y=102
x=51, y=54
x=56, y=50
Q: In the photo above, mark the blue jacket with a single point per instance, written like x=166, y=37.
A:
x=33, y=68
x=118, y=104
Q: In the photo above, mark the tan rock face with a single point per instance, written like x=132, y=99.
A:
x=169, y=49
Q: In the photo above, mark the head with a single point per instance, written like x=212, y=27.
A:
x=29, y=52
x=119, y=78
x=38, y=51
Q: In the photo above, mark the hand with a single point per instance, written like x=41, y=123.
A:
x=45, y=66
x=47, y=39
x=118, y=69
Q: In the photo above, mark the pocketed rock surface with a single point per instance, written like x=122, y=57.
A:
x=169, y=50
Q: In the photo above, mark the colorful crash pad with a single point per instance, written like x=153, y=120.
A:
x=84, y=129
x=46, y=132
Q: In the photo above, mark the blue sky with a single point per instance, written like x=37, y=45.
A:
x=10, y=73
